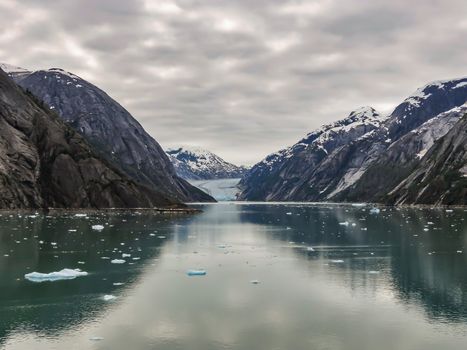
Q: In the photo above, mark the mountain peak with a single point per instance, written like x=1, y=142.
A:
x=196, y=163
x=365, y=112
x=10, y=69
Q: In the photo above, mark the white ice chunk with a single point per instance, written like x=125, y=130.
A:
x=97, y=227
x=65, y=274
x=109, y=297
x=117, y=261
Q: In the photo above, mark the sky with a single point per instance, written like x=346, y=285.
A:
x=242, y=78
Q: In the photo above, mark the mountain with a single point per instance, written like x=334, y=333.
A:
x=45, y=163
x=280, y=174
x=369, y=165
x=13, y=71
x=110, y=129
x=193, y=163
x=441, y=175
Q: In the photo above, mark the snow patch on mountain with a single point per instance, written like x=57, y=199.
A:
x=8, y=68
x=195, y=163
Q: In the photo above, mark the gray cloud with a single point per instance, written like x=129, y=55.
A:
x=242, y=78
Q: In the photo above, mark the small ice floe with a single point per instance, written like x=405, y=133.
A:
x=449, y=210
x=310, y=249
x=372, y=272
x=255, y=282
x=459, y=251
x=81, y=262
x=161, y=236
x=152, y=234
x=81, y=215
x=97, y=227
x=375, y=211
x=96, y=338
x=289, y=213
x=118, y=283
x=125, y=255
x=345, y=223
x=196, y=272
x=117, y=261
x=65, y=274
x=136, y=258
x=109, y=297
x=221, y=246
x=337, y=261
x=72, y=230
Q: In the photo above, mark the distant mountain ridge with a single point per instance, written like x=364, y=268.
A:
x=109, y=128
x=368, y=164
x=195, y=163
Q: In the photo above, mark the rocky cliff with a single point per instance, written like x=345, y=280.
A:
x=44, y=163
x=110, y=129
x=369, y=164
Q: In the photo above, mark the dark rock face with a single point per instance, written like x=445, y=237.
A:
x=368, y=165
x=286, y=174
x=441, y=175
x=198, y=164
x=401, y=158
x=44, y=163
x=113, y=133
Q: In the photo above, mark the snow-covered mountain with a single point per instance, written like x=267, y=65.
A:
x=366, y=165
x=194, y=163
x=278, y=175
x=112, y=131
x=13, y=71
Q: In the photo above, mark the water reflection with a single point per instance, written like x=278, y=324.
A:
x=33, y=242
x=329, y=277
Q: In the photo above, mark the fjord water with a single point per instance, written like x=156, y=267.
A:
x=278, y=277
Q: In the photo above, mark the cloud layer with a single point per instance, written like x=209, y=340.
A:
x=242, y=78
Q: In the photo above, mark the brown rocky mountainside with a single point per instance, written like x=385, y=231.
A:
x=44, y=163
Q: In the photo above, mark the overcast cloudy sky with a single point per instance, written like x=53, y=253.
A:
x=242, y=78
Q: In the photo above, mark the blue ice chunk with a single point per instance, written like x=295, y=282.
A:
x=196, y=272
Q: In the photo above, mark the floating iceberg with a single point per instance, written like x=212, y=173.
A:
x=117, y=261
x=254, y=282
x=97, y=227
x=196, y=272
x=310, y=249
x=375, y=211
x=109, y=297
x=65, y=274
x=337, y=261
x=345, y=223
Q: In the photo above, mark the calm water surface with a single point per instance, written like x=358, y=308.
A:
x=328, y=277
